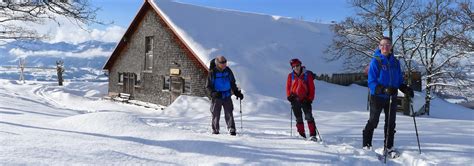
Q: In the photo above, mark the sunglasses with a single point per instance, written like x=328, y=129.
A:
x=223, y=62
x=296, y=66
x=385, y=45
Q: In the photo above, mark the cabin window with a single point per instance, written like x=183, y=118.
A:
x=149, y=53
x=187, y=86
x=120, y=77
x=166, y=83
x=137, y=79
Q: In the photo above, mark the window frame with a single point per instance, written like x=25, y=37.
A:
x=166, y=83
x=120, y=78
x=149, y=46
x=187, y=83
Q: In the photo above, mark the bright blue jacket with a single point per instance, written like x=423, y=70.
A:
x=222, y=82
x=389, y=73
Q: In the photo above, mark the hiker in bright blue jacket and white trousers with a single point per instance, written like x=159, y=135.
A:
x=384, y=79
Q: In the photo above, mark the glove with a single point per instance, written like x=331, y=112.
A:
x=216, y=95
x=239, y=94
x=292, y=98
x=407, y=90
x=379, y=89
x=307, y=102
x=391, y=91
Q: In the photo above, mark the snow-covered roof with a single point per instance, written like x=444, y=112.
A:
x=258, y=47
x=180, y=35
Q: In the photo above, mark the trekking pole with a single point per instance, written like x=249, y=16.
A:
x=414, y=122
x=212, y=114
x=291, y=123
x=388, y=128
x=241, y=128
x=317, y=131
x=368, y=100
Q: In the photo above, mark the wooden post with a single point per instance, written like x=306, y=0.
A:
x=60, y=70
x=22, y=68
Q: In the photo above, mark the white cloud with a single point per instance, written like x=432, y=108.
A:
x=91, y=53
x=77, y=35
x=66, y=31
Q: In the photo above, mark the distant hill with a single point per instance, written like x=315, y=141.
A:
x=83, y=61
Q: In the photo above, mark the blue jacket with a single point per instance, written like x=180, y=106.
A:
x=222, y=82
x=389, y=73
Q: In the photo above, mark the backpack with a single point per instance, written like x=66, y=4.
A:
x=212, y=64
x=300, y=87
x=379, y=64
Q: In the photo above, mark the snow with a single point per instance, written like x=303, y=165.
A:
x=258, y=47
x=45, y=124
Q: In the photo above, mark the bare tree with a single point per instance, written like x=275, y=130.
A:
x=434, y=36
x=357, y=37
x=13, y=13
x=445, y=35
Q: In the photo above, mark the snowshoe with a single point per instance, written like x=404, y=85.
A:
x=367, y=148
x=393, y=153
x=313, y=138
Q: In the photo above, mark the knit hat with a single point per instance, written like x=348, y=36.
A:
x=295, y=62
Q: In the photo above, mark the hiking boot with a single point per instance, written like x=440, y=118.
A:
x=233, y=133
x=303, y=135
x=300, y=129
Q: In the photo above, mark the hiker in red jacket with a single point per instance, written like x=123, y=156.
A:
x=300, y=93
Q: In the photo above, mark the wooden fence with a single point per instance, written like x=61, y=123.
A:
x=346, y=79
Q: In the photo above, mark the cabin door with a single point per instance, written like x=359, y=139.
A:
x=129, y=83
x=176, y=87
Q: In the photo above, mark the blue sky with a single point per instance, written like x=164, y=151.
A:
x=121, y=12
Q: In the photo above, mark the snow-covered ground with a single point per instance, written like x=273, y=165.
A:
x=44, y=124
x=41, y=123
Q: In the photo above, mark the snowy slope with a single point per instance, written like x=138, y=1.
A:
x=41, y=123
x=257, y=46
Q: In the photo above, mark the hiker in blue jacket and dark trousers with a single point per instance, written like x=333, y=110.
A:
x=384, y=79
x=221, y=85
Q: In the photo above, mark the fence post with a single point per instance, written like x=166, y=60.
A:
x=60, y=70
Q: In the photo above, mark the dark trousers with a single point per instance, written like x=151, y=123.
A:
x=376, y=106
x=216, y=107
x=308, y=115
x=307, y=110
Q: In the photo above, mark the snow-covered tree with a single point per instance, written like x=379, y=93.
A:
x=445, y=36
x=435, y=36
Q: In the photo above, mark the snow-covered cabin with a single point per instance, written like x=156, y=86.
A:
x=153, y=63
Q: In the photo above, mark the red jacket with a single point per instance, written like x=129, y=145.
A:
x=302, y=93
